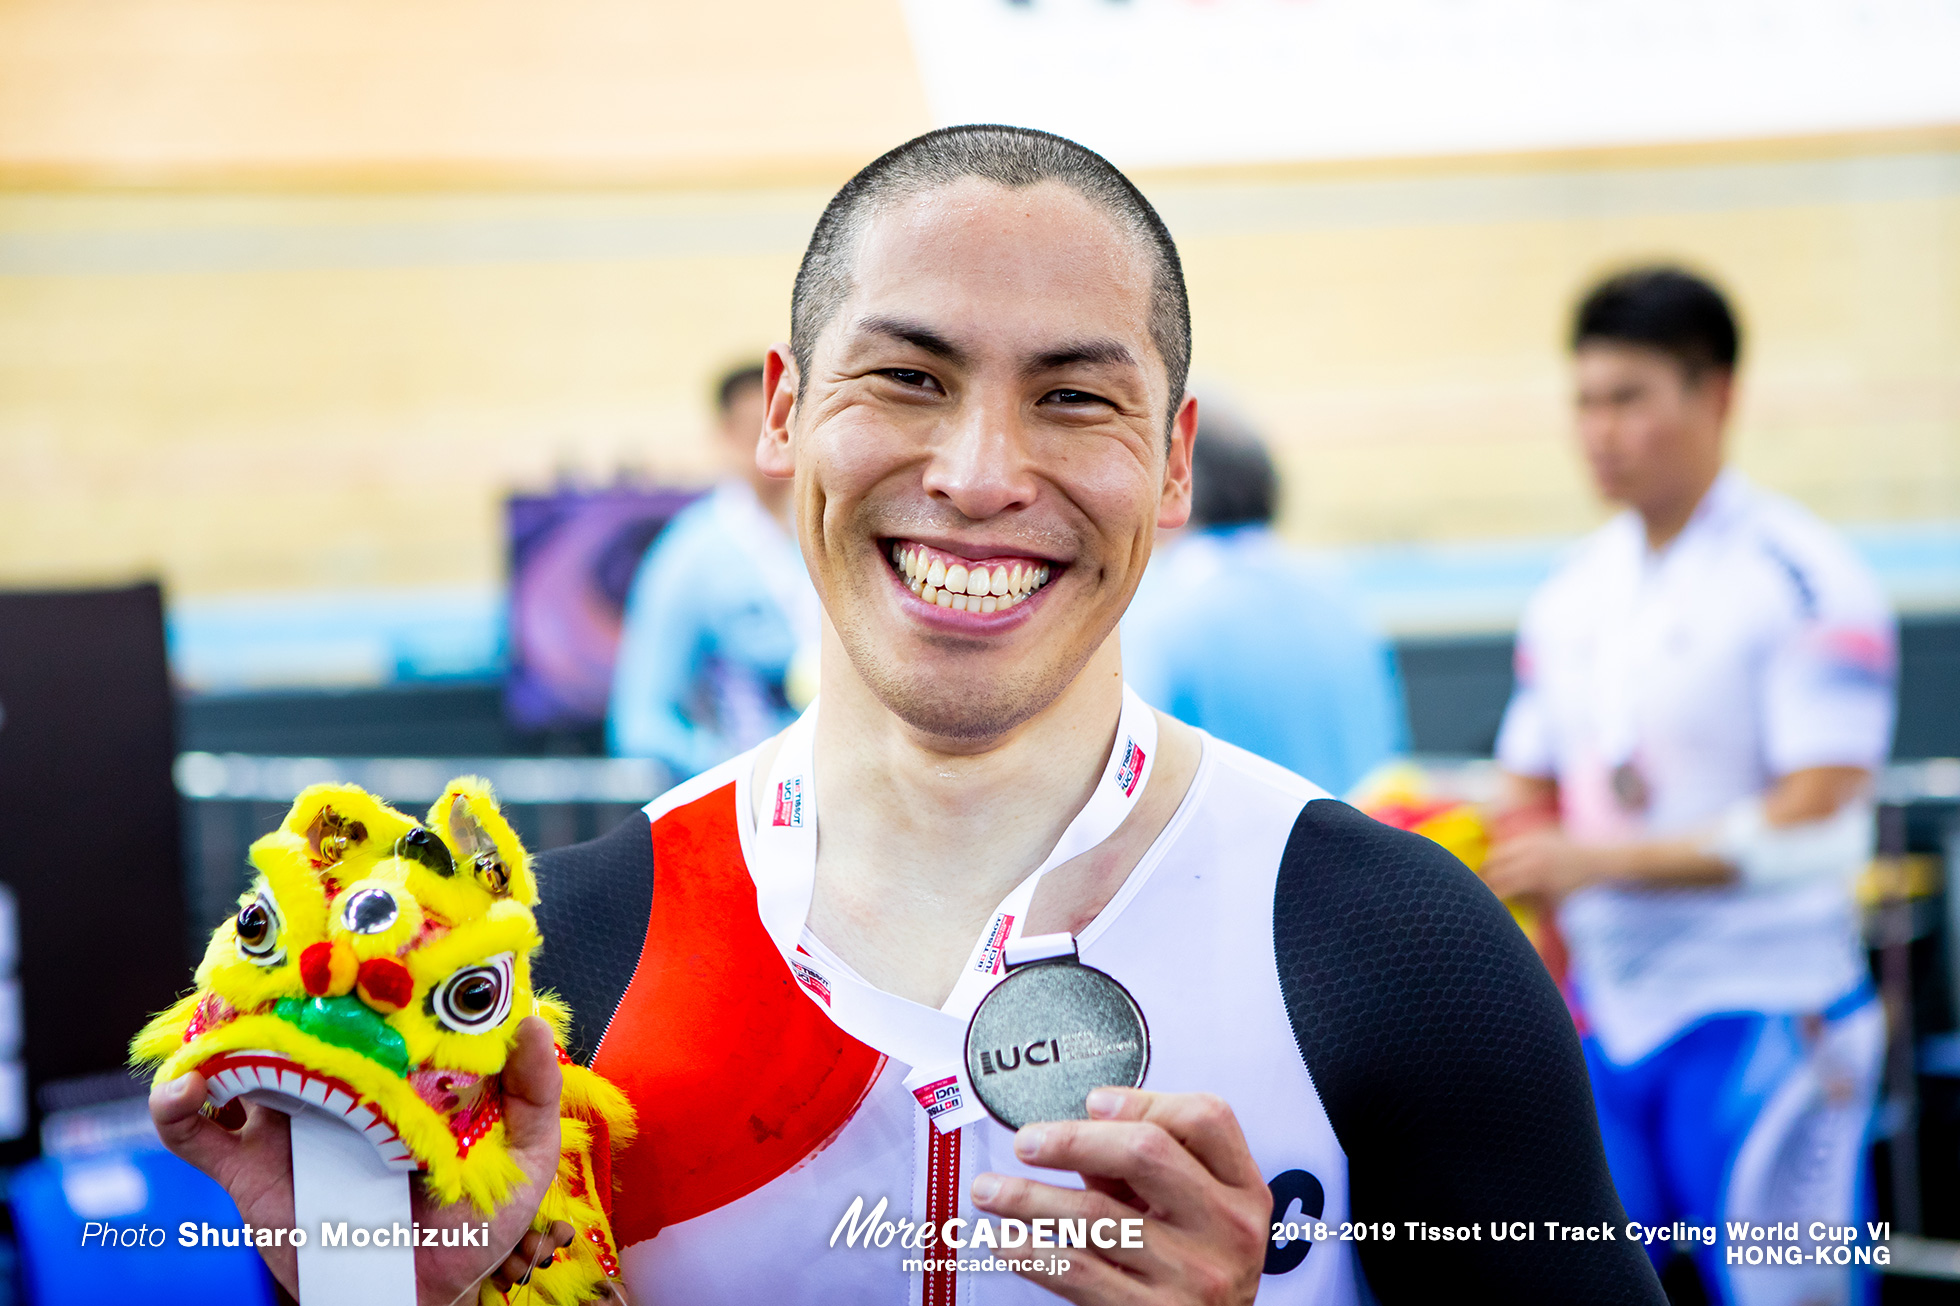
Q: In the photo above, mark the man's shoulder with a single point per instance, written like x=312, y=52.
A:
x=1825, y=577
x=1396, y=963
x=1377, y=929
x=596, y=898
x=1350, y=862
x=1246, y=777
x=734, y=771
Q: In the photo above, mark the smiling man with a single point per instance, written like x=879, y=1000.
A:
x=982, y=414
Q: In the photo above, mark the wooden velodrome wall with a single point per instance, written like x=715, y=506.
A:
x=291, y=295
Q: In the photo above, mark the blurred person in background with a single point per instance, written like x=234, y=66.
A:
x=1236, y=633
x=1704, y=692
x=721, y=622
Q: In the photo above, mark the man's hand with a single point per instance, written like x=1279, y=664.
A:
x=1541, y=862
x=253, y=1162
x=1177, y=1159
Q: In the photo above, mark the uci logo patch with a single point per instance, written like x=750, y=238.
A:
x=1131, y=769
x=939, y=1097
x=789, y=802
x=994, y=948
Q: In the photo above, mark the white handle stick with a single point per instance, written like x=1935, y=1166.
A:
x=339, y=1177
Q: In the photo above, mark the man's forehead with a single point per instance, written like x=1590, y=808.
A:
x=1039, y=266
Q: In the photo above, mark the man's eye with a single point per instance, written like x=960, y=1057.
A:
x=1072, y=398
x=908, y=377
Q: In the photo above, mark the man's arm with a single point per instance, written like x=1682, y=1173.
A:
x=594, y=899
x=1544, y=861
x=1449, y=1068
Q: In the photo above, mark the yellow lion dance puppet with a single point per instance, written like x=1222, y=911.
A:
x=377, y=969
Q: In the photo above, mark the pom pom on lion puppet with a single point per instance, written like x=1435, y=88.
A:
x=377, y=968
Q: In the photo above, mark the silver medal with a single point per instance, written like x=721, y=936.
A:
x=1047, y=1034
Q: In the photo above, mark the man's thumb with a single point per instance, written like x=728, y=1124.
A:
x=531, y=1085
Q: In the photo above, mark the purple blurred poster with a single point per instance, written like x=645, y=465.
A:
x=573, y=554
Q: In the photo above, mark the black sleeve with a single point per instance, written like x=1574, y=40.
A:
x=1450, y=1069
x=594, y=900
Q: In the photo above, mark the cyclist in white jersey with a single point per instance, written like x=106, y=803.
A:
x=1704, y=691
x=1361, y=1085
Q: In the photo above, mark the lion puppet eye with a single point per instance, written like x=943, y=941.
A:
x=258, y=931
x=474, y=999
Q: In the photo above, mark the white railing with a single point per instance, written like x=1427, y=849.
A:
x=246, y=777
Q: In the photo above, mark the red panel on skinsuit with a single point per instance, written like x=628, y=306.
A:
x=735, y=1074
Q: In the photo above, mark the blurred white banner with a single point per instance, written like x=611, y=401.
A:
x=1170, y=82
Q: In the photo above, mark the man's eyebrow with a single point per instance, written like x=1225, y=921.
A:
x=1109, y=352
x=916, y=334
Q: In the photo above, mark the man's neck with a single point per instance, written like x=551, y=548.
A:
x=959, y=821
x=920, y=838
x=1665, y=519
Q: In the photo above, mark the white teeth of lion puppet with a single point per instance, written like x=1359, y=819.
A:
x=377, y=968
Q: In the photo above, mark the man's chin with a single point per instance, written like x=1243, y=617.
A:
x=964, y=709
x=965, y=719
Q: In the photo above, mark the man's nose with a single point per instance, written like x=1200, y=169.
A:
x=980, y=463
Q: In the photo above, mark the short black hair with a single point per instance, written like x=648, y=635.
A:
x=734, y=382
x=1013, y=157
x=1233, y=480
x=1665, y=308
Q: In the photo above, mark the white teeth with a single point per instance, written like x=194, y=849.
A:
x=966, y=589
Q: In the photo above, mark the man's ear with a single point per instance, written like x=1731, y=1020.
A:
x=1721, y=392
x=1174, y=507
x=773, y=453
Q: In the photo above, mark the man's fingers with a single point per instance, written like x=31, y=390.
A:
x=176, y=1108
x=1090, y=1281
x=531, y=1085
x=1155, y=1165
x=1202, y=1122
x=1027, y=1199
x=1094, y=1274
x=516, y=1268
x=173, y=1102
x=534, y=1251
x=513, y=1268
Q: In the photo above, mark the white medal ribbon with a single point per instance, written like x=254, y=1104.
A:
x=930, y=1040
